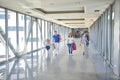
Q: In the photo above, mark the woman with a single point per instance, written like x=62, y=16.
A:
x=70, y=43
x=84, y=42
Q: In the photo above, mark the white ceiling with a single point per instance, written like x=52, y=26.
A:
x=65, y=12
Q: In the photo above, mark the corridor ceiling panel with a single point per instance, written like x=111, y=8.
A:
x=65, y=12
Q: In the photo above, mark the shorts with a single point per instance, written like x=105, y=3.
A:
x=47, y=47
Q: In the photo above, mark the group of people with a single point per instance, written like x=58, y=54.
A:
x=84, y=41
x=55, y=42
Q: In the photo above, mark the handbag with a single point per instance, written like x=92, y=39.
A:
x=74, y=46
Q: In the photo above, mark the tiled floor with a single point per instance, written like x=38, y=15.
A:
x=60, y=67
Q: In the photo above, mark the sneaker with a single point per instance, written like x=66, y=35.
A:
x=70, y=54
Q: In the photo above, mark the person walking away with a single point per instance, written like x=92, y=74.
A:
x=70, y=43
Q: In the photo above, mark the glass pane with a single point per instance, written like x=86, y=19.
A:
x=34, y=39
x=12, y=28
x=28, y=32
x=51, y=28
x=43, y=32
x=21, y=30
x=2, y=52
x=12, y=31
x=2, y=19
x=112, y=42
x=46, y=30
x=39, y=34
x=2, y=32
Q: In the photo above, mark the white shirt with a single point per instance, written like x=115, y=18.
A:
x=70, y=40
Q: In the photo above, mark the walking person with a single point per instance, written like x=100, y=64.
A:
x=70, y=43
x=84, y=42
x=47, y=44
x=56, y=40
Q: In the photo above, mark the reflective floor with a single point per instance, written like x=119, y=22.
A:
x=48, y=66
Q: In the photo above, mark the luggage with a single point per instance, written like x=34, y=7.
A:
x=74, y=46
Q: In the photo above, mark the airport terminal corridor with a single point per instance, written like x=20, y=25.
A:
x=29, y=28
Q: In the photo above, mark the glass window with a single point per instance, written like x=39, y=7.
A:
x=12, y=28
x=51, y=28
x=43, y=32
x=109, y=33
x=12, y=32
x=112, y=42
x=39, y=34
x=21, y=30
x=2, y=19
x=34, y=39
x=28, y=32
x=2, y=32
x=46, y=30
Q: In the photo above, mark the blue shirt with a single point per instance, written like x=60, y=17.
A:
x=56, y=37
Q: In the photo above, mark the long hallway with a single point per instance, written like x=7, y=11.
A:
x=77, y=67
x=61, y=67
x=27, y=27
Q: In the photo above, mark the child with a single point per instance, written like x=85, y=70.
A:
x=47, y=43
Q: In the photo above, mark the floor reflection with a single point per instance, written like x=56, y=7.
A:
x=47, y=66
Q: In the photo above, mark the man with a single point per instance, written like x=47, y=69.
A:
x=56, y=42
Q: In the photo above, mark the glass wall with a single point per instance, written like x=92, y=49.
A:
x=21, y=34
x=99, y=31
x=102, y=35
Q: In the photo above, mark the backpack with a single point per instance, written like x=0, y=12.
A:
x=59, y=36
